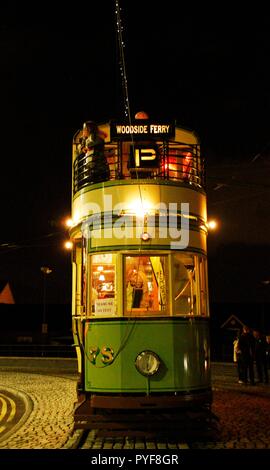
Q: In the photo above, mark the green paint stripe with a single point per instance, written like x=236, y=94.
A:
x=131, y=222
x=140, y=247
x=108, y=216
x=108, y=184
x=122, y=321
x=126, y=389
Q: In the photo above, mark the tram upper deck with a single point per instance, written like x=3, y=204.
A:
x=113, y=152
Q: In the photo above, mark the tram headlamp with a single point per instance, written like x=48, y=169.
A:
x=147, y=363
x=145, y=236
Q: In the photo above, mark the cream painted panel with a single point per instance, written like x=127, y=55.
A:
x=130, y=197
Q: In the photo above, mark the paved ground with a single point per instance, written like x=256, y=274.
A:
x=49, y=393
x=244, y=421
x=49, y=407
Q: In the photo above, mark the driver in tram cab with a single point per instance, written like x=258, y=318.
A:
x=96, y=162
x=137, y=289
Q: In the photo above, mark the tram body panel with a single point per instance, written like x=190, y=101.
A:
x=115, y=320
x=196, y=241
x=182, y=346
x=129, y=196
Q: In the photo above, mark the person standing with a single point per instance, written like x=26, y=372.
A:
x=261, y=357
x=237, y=357
x=268, y=351
x=246, y=347
x=95, y=159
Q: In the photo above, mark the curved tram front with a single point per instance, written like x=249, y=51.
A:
x=140, y=297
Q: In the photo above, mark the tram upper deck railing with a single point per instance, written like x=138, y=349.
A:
x=175, y=161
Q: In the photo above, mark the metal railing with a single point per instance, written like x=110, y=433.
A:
x=176, y=162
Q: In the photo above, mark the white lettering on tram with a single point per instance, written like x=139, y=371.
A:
x=143, y=129
x=136, y=129
x=161, y=222
x=159, y=129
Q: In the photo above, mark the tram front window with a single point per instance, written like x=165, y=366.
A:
x=146, y=285
x=103, y=284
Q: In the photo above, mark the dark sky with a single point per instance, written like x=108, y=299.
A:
x=59, y=67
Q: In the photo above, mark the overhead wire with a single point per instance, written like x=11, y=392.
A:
x=123, y=73
x=6, y=247
x=127, y=112
x=236, y=198
x=122, y=62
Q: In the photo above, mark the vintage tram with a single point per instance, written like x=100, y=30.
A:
x=140, y=313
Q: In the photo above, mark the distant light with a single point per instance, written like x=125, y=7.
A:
x=68, y=245
x=212, y=224
x=46, y=270
x=69, y=222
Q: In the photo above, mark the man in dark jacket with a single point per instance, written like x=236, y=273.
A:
x=260, y=356
x=246, y=346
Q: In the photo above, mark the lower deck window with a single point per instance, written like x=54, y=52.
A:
x=184, y=288
x=103, y=284
x=189, y=285
x=146, y=284
x=169, y=284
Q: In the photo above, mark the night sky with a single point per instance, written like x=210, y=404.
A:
x=209, y=72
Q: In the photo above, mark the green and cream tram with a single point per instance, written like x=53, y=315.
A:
x=140, y=311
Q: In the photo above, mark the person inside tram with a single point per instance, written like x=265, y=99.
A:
x=95, y=159
x=137, y=289
x=187, y=166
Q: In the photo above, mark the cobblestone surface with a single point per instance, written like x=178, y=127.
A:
x=50, y=423
x=243, y=411
x=244, y=421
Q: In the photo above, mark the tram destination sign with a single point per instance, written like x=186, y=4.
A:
x=142, y=130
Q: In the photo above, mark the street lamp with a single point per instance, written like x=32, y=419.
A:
x=46, y=271
x=68, y=245
x=212, y=224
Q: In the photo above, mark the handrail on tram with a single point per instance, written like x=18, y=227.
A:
x=177, y=162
